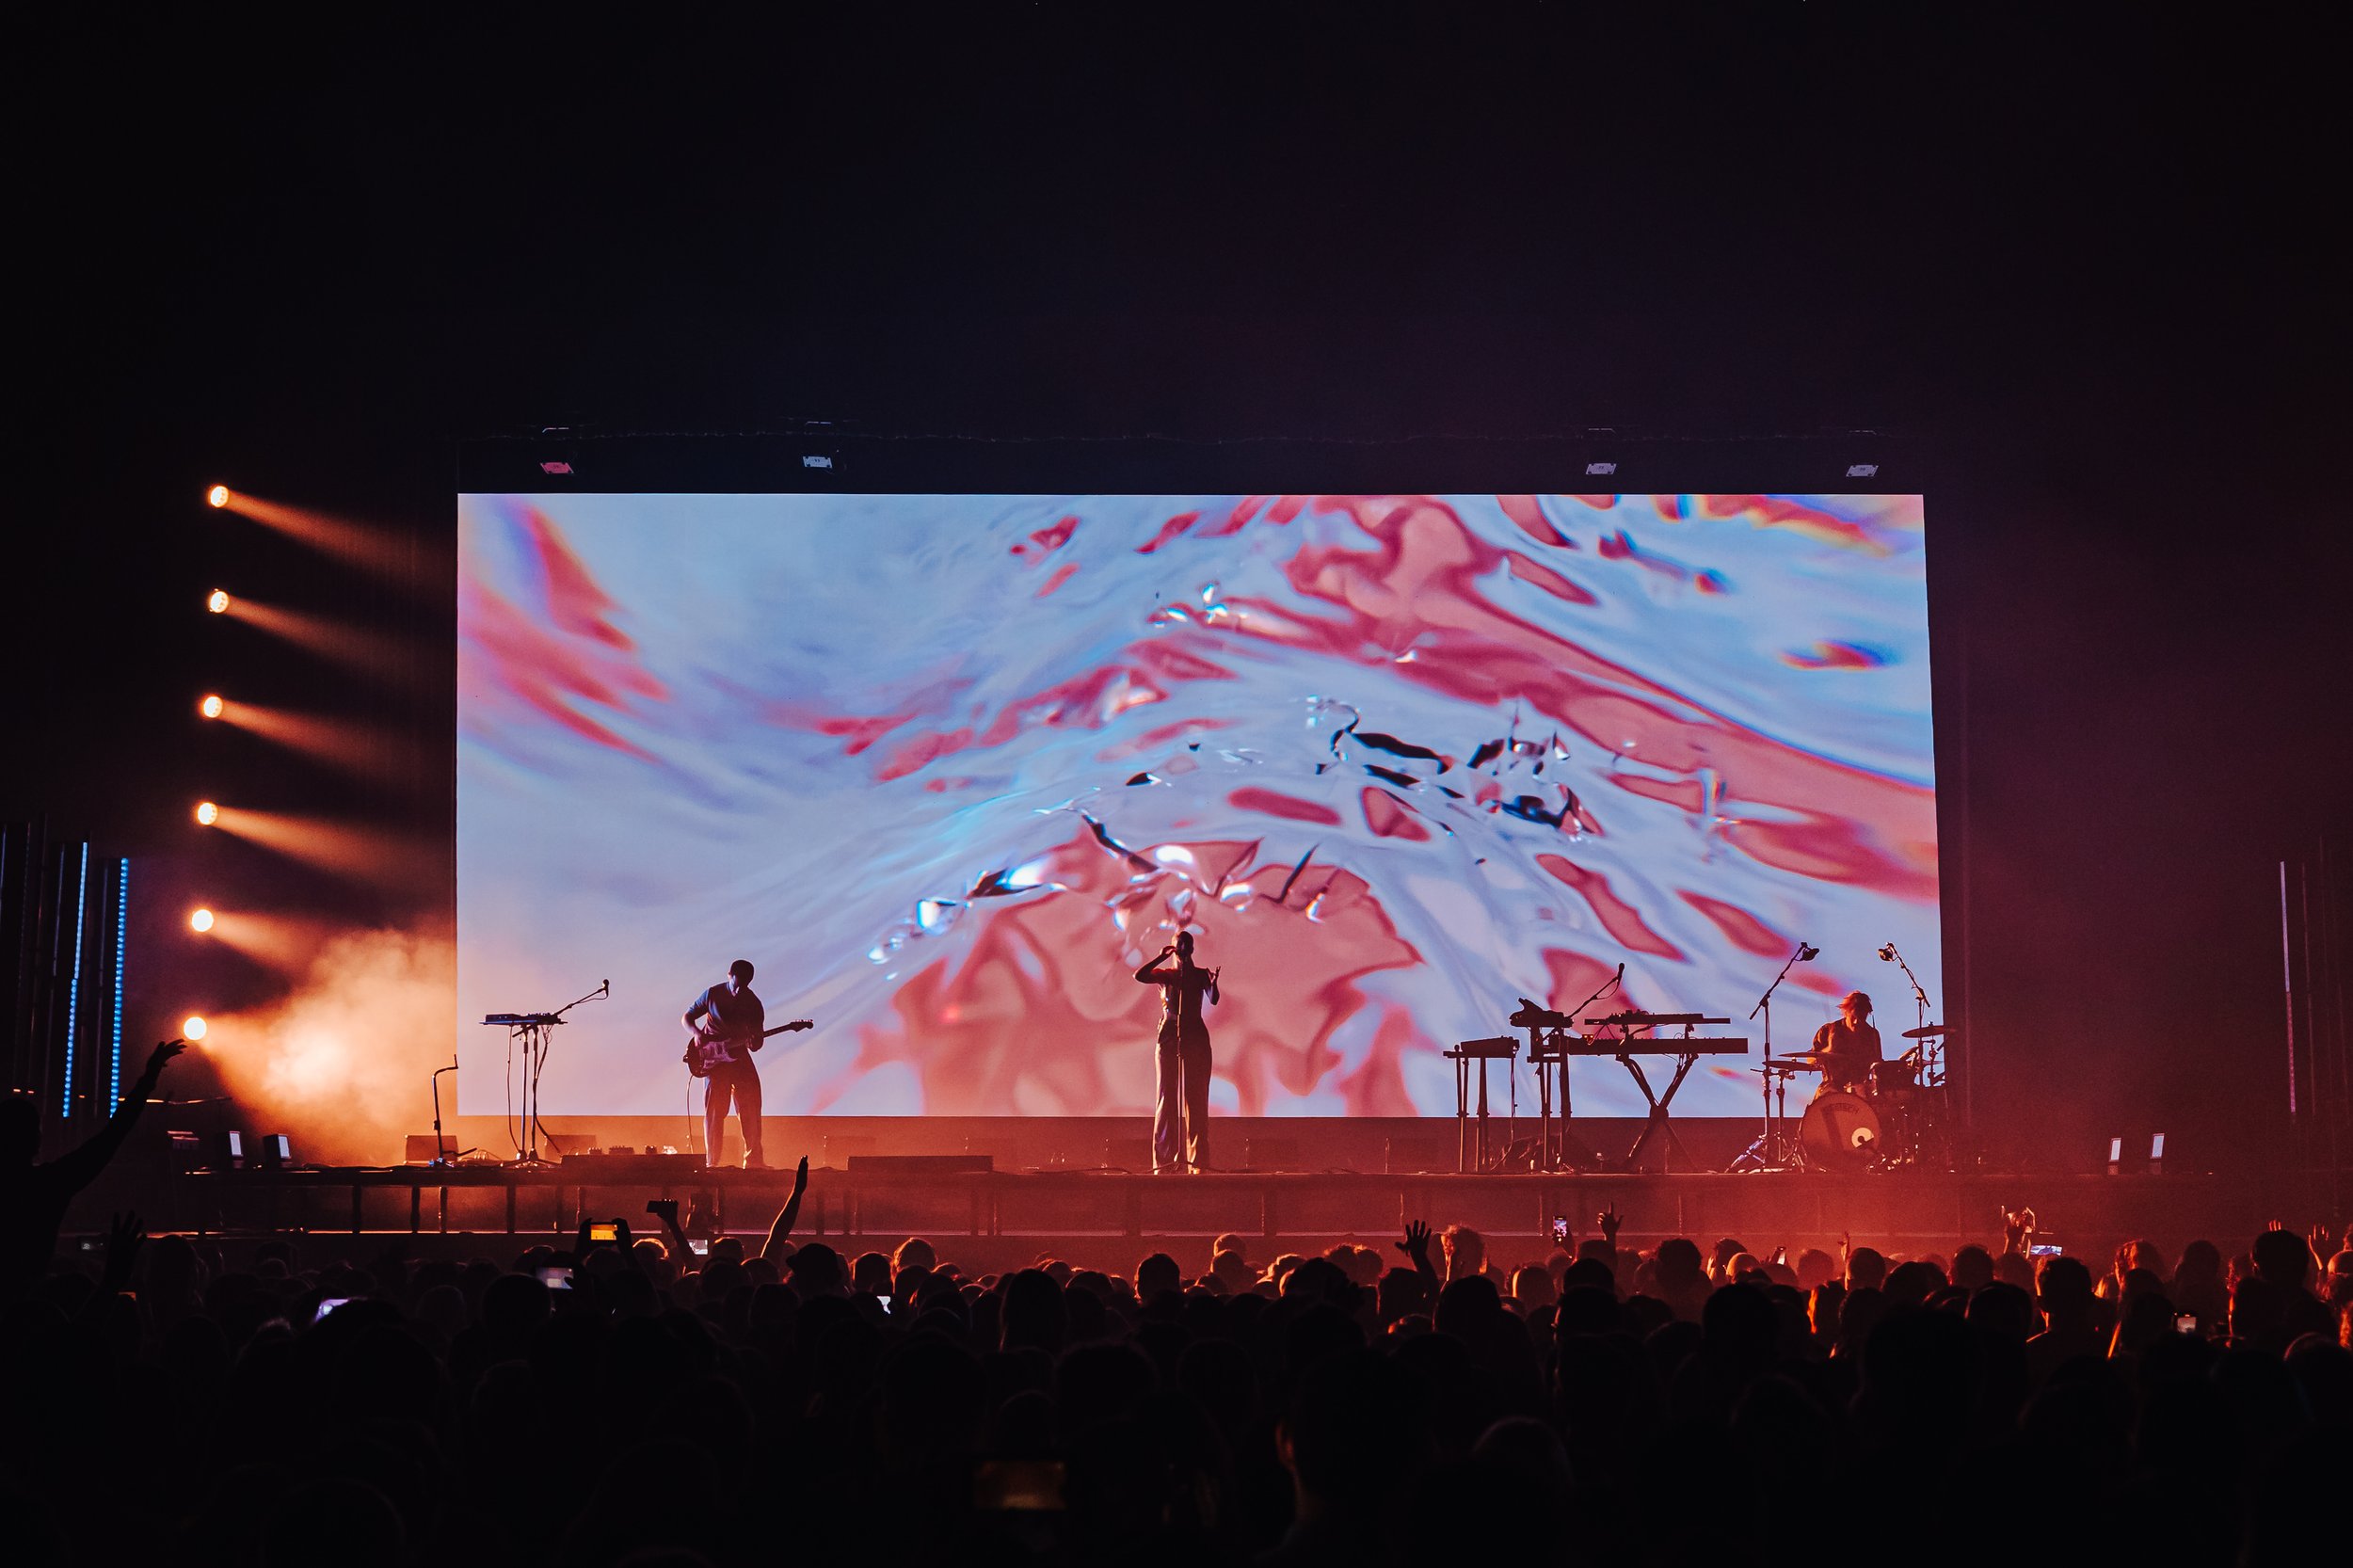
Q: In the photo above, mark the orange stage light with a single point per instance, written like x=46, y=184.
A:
x=378, y=550
x=371, y=653
x=218, y=496
x=217, y=600
x=192, y=1027
x=200, y=921
x=206, y=813
x=210, y=707
x=337, y=741
x=285, y=943
x=335, y=846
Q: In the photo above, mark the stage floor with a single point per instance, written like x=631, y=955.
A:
x=1018, y=1214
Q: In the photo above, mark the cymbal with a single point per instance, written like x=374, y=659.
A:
x=1800, y=1063
x=1927, y=1032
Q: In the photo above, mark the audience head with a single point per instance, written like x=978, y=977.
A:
x=1867, y=1269
x=2063, y=1286
x=1157, y=1275
x=2284, y=1259
x=1466, y=1251
x=816, y=1271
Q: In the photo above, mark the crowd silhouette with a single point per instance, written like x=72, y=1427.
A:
x=636, y=1401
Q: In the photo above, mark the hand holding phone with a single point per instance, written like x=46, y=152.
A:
x=1560, y=1230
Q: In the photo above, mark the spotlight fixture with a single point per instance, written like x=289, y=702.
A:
x=217, y=600
x=218, y=496
x=192, y=1027
x=210, y=707
x=200, y=921
x=206, y=813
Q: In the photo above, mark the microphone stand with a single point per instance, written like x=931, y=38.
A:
x=1768, y=1150
x=1606, y=986
x=537, y=1058
x=1919, y=997
x=441, y=1156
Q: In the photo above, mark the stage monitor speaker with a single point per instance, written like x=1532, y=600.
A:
x=187, y=1151
x=1127, y=1154
x=276, y=1152
x=1272, y=1154
x=922, y=1165
x=1413, y=1156
x=225, y=1151
x=421, y=1150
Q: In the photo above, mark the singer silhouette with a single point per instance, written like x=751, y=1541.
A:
x=1180, y=1142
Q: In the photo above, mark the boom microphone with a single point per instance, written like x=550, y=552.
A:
x=1887, y=953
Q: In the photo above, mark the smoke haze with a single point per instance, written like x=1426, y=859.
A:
x=343, y=1061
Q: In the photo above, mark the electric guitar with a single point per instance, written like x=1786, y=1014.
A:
x=706, y=1053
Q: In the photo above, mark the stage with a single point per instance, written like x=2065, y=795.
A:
x=998, y=1218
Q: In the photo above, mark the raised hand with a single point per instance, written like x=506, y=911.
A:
x=665, y=1209
x=1417, y=1243
x=125, y=1236
x=1609, y=1221
x=800, y=1175
x=161, y=1057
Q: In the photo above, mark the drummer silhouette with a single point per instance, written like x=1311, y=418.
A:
x=1848, y=1047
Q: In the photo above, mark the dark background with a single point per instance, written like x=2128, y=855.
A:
x=2091, y=256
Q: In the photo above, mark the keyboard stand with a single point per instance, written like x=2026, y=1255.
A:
x=1462, y=1059
x=1659, y=1129
x=1547, y=1052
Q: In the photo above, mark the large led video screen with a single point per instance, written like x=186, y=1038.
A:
x=948, y=769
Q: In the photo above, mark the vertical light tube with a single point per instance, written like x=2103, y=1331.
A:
x=74, y=987
x=2287, y=984
x=122, y=941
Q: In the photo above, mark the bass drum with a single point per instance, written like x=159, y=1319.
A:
x=1841, y=1132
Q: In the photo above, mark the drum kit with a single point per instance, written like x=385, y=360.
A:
x=1880, y=1115
x=1891, y=1118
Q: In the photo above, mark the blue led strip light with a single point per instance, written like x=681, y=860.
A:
x=122, y=941
x=73, y=990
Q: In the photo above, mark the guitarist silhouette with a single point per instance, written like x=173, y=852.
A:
x=726, y=1024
